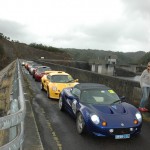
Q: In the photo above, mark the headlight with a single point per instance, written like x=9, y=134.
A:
x=54, y=88
x=138, y=116
x=95, y=119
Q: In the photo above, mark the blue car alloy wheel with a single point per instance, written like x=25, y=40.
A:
x=61, y=107
x=80, y=123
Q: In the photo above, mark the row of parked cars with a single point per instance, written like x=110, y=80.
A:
x=97, y=108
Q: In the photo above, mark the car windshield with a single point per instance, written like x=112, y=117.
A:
x=61, y=78
x=35, y=66
x=97, y=96
x=42, y=69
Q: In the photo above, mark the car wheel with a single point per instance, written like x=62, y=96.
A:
x=42, y=87
x=80, y=123
x=61, y=106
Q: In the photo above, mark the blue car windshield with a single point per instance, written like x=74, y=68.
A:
x=61, y=78
x=97, y=96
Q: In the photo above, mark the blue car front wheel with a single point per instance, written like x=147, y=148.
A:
x=61, y=106
x=80, y=123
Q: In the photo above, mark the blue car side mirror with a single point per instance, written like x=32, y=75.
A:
x=122, y=98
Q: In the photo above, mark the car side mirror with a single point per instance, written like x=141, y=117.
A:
x=76, y=80
x=122, y=98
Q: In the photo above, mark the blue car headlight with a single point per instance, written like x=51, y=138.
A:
x=138, y=116
x=95, y=119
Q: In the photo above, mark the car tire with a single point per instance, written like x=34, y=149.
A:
x=61, y=106
x=48, y=94
x=80, y=124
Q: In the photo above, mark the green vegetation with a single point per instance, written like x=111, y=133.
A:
x=4, y=37
x=3, y=57
x=145, y=59
x=15, y=49
x=46, y=48
x=1, y=35
x=102, y=55
x=1, y=50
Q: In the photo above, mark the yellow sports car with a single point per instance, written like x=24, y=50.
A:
x=55, y=82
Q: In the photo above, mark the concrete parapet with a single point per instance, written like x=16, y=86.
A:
x=130, y=89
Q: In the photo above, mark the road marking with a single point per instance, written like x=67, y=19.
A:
x=55, y=137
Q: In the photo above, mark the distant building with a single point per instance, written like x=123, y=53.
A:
x=106, y=66
x=111, y=60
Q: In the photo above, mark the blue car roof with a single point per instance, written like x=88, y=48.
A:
x=86, y=86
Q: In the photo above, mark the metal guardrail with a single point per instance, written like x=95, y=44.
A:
x=15, y=120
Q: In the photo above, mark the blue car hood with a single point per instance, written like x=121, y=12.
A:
x=114, y=115
x=116, y=109
x=109, y=109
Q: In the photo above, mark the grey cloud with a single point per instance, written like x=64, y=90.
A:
x=11, y=29
x=107, y=35
x=137, y=6
x=105, y=32
x=17, y=31
x=137, y=31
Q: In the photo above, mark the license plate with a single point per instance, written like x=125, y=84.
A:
x=123, y=136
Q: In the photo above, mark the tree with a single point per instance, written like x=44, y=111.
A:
x=145, y=59
x=43, y=47
x=1, y=35
x=1, y=50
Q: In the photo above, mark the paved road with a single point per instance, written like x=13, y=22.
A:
x=58, y=130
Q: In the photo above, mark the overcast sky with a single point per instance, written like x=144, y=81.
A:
x=117, y=25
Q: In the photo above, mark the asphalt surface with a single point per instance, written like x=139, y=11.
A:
x=48, y=128
x=32, y=140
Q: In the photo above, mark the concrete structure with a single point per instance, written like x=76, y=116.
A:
x=103, y=69
x=130, y=89
x=112, y=61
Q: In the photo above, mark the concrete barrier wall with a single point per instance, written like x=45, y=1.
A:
x=76, y=64
x=130, y=89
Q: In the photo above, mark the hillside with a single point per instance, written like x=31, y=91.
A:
x=88, y=54
x=10, y=50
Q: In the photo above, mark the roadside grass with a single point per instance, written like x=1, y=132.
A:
x=5, y=90
x=2, y=135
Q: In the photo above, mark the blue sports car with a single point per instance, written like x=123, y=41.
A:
x=99, y=110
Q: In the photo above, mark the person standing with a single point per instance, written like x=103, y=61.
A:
x=145, y=87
